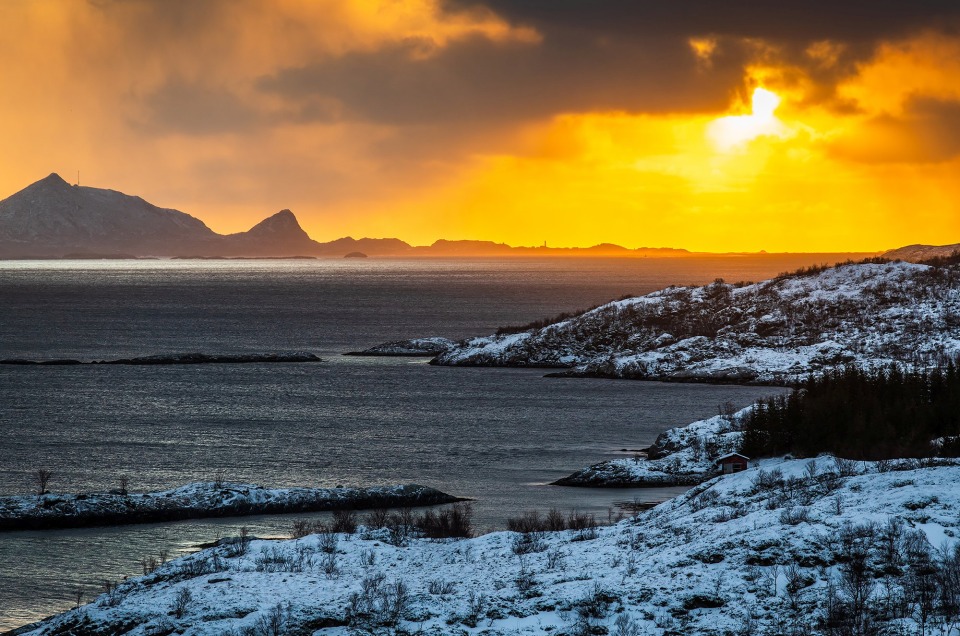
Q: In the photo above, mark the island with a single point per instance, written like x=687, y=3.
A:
x=200, y=500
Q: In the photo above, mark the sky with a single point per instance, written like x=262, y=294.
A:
x=741, y=125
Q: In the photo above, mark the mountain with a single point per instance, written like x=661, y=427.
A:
x=872, y=313
x=279, y=234
x=52, y=219
x=914, y=253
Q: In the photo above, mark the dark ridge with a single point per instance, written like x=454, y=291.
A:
x=182, y=358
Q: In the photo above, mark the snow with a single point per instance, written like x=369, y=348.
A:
x=429, y=346
x=685, y=455
x=773, y=332
x=726, y=542
x=202, y=499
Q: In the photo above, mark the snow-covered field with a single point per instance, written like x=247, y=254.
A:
x=776, y=331
x=776, y=549
x=197, y=500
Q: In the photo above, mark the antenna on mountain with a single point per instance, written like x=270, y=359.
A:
x=78, y=177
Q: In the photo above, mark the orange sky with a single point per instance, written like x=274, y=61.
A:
x=424, y=119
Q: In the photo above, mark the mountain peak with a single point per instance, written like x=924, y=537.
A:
x=283, y=222
x=52, y=180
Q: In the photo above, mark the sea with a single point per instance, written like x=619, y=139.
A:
x=497, y=436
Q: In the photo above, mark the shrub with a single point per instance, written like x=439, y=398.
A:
x=180, y=602
x=453, y=522
x=344, y=521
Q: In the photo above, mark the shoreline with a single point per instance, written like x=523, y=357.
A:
x=201, y=501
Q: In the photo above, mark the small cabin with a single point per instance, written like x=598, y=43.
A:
x=733, y=463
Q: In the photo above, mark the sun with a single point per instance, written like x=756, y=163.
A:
x=734, y=131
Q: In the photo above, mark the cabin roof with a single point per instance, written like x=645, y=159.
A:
x=729, y=456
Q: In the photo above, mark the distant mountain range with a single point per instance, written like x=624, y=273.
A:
x=53, y=219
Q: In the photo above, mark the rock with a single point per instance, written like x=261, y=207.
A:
x=417, y=347
x=201, y=500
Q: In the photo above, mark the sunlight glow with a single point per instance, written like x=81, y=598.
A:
x=732, y=132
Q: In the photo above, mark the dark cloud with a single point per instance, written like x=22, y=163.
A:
x=928, y=131
x=190, y=108
x=806, y=20
x=482, y=81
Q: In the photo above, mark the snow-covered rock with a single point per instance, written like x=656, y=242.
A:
x=776, y=331
x=681, y=456
x=198, y=500
x=417, y=347
x=750, y=553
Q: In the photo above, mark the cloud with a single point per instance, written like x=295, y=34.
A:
x=784, y=20
x=190, y=108
x=927, y=131
x=477, y=80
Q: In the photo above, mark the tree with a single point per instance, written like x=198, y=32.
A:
x=41, y=478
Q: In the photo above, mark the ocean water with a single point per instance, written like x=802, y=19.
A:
x=496, y=435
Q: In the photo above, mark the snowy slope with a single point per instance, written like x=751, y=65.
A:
x=776, y=331
x=747, y=553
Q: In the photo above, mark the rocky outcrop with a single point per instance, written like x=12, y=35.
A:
x=182, y=358
x=416, y=347
x=200, y=500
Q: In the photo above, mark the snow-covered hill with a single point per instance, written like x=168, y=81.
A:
x=919, y=252
x=791, y=547
x=775, y=331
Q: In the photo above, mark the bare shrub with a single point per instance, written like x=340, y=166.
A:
x=794, y=516
x=275, y=622
x=301, y=528
x=555, y=520
x=527, y=522
x=238, y=546
x=846, y=467
x=377, y=518
x=476, y=608
x=453, y=522
x=528, y=542
x=377, y=604
x=439, y=587
x=525, y=582
x=400, y=527
x=181, y=601
x=557, y=559
x=328, y=539
x=41, y=477
x=344, y=521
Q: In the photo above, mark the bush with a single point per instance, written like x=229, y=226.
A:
x=454, y=522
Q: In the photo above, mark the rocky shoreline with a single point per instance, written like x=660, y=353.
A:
x=201, y=500
x=682, y=456
x=179, y=358
x=415, y=347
